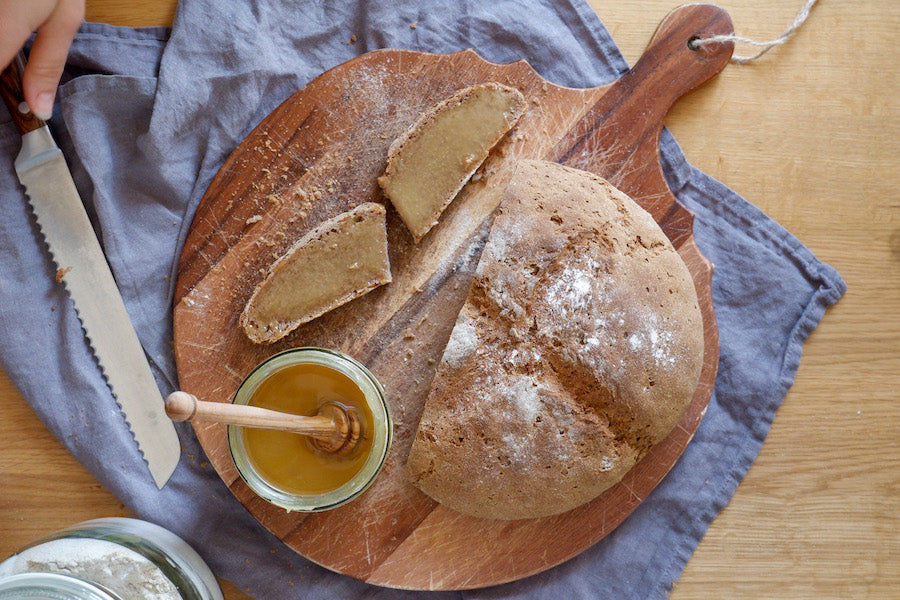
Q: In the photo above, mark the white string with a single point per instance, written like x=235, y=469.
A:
x=766, y=46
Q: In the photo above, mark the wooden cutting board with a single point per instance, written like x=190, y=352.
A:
x=317, y=155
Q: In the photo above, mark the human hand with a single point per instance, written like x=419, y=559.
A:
x=55, y=22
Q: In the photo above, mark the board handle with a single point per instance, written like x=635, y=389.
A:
x=14, y=96
x=671, y=66
x=618, y=137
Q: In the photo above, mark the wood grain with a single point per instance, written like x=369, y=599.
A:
x=129, y=13
x=817, y=154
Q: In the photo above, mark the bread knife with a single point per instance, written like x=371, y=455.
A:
x=83, y=270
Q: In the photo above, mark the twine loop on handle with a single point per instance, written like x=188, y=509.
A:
x=801, y=17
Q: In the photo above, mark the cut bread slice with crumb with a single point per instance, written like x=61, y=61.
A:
x=341, y=259
x=430, y=162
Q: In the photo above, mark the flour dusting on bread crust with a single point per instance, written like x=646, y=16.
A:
x=579, y=347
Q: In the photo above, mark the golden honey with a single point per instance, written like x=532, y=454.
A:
x=289, y=461
x=285, y=468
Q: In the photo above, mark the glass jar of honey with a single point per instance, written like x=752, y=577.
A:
x=288, y=469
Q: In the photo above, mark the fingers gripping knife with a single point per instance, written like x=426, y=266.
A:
x=64, y=224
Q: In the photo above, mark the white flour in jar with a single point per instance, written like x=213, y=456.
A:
x=122, y=571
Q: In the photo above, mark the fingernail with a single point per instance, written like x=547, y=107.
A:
x=43, y=106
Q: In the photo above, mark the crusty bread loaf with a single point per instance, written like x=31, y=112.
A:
x=430, y=162
x=578, y=348
x=341, y=259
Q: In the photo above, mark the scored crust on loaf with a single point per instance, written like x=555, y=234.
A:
x=431, y=161
x=339, y=260
x=578, y=348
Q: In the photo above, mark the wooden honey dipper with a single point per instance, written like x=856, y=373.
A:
x=334, y=430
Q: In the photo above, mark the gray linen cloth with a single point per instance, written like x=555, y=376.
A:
x=146, y=117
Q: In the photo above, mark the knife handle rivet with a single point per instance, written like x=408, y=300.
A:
x=23, y=108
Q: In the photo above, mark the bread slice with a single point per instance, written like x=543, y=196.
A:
x=341, y=259
x=429, y=164
x=578, y=349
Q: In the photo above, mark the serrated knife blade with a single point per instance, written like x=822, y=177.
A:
x=83, y=269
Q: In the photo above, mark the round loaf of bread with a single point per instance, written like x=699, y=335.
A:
x=579, y=347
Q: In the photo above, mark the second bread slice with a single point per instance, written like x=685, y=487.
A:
x=341, y=259
x=430, y=163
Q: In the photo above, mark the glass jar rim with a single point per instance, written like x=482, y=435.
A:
x=381, y=436
x=51, y=586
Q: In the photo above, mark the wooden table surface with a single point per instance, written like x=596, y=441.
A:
x=809, y=133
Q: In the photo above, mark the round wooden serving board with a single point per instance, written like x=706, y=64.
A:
x=317, y=155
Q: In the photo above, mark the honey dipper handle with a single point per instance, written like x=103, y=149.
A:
x=181, y=406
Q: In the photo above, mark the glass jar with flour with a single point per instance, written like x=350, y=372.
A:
x=108, y=559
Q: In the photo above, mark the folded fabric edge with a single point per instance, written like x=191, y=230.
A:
x=91, y=30
x=751, y=216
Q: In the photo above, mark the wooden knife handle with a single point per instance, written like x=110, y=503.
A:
x=14, y=96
